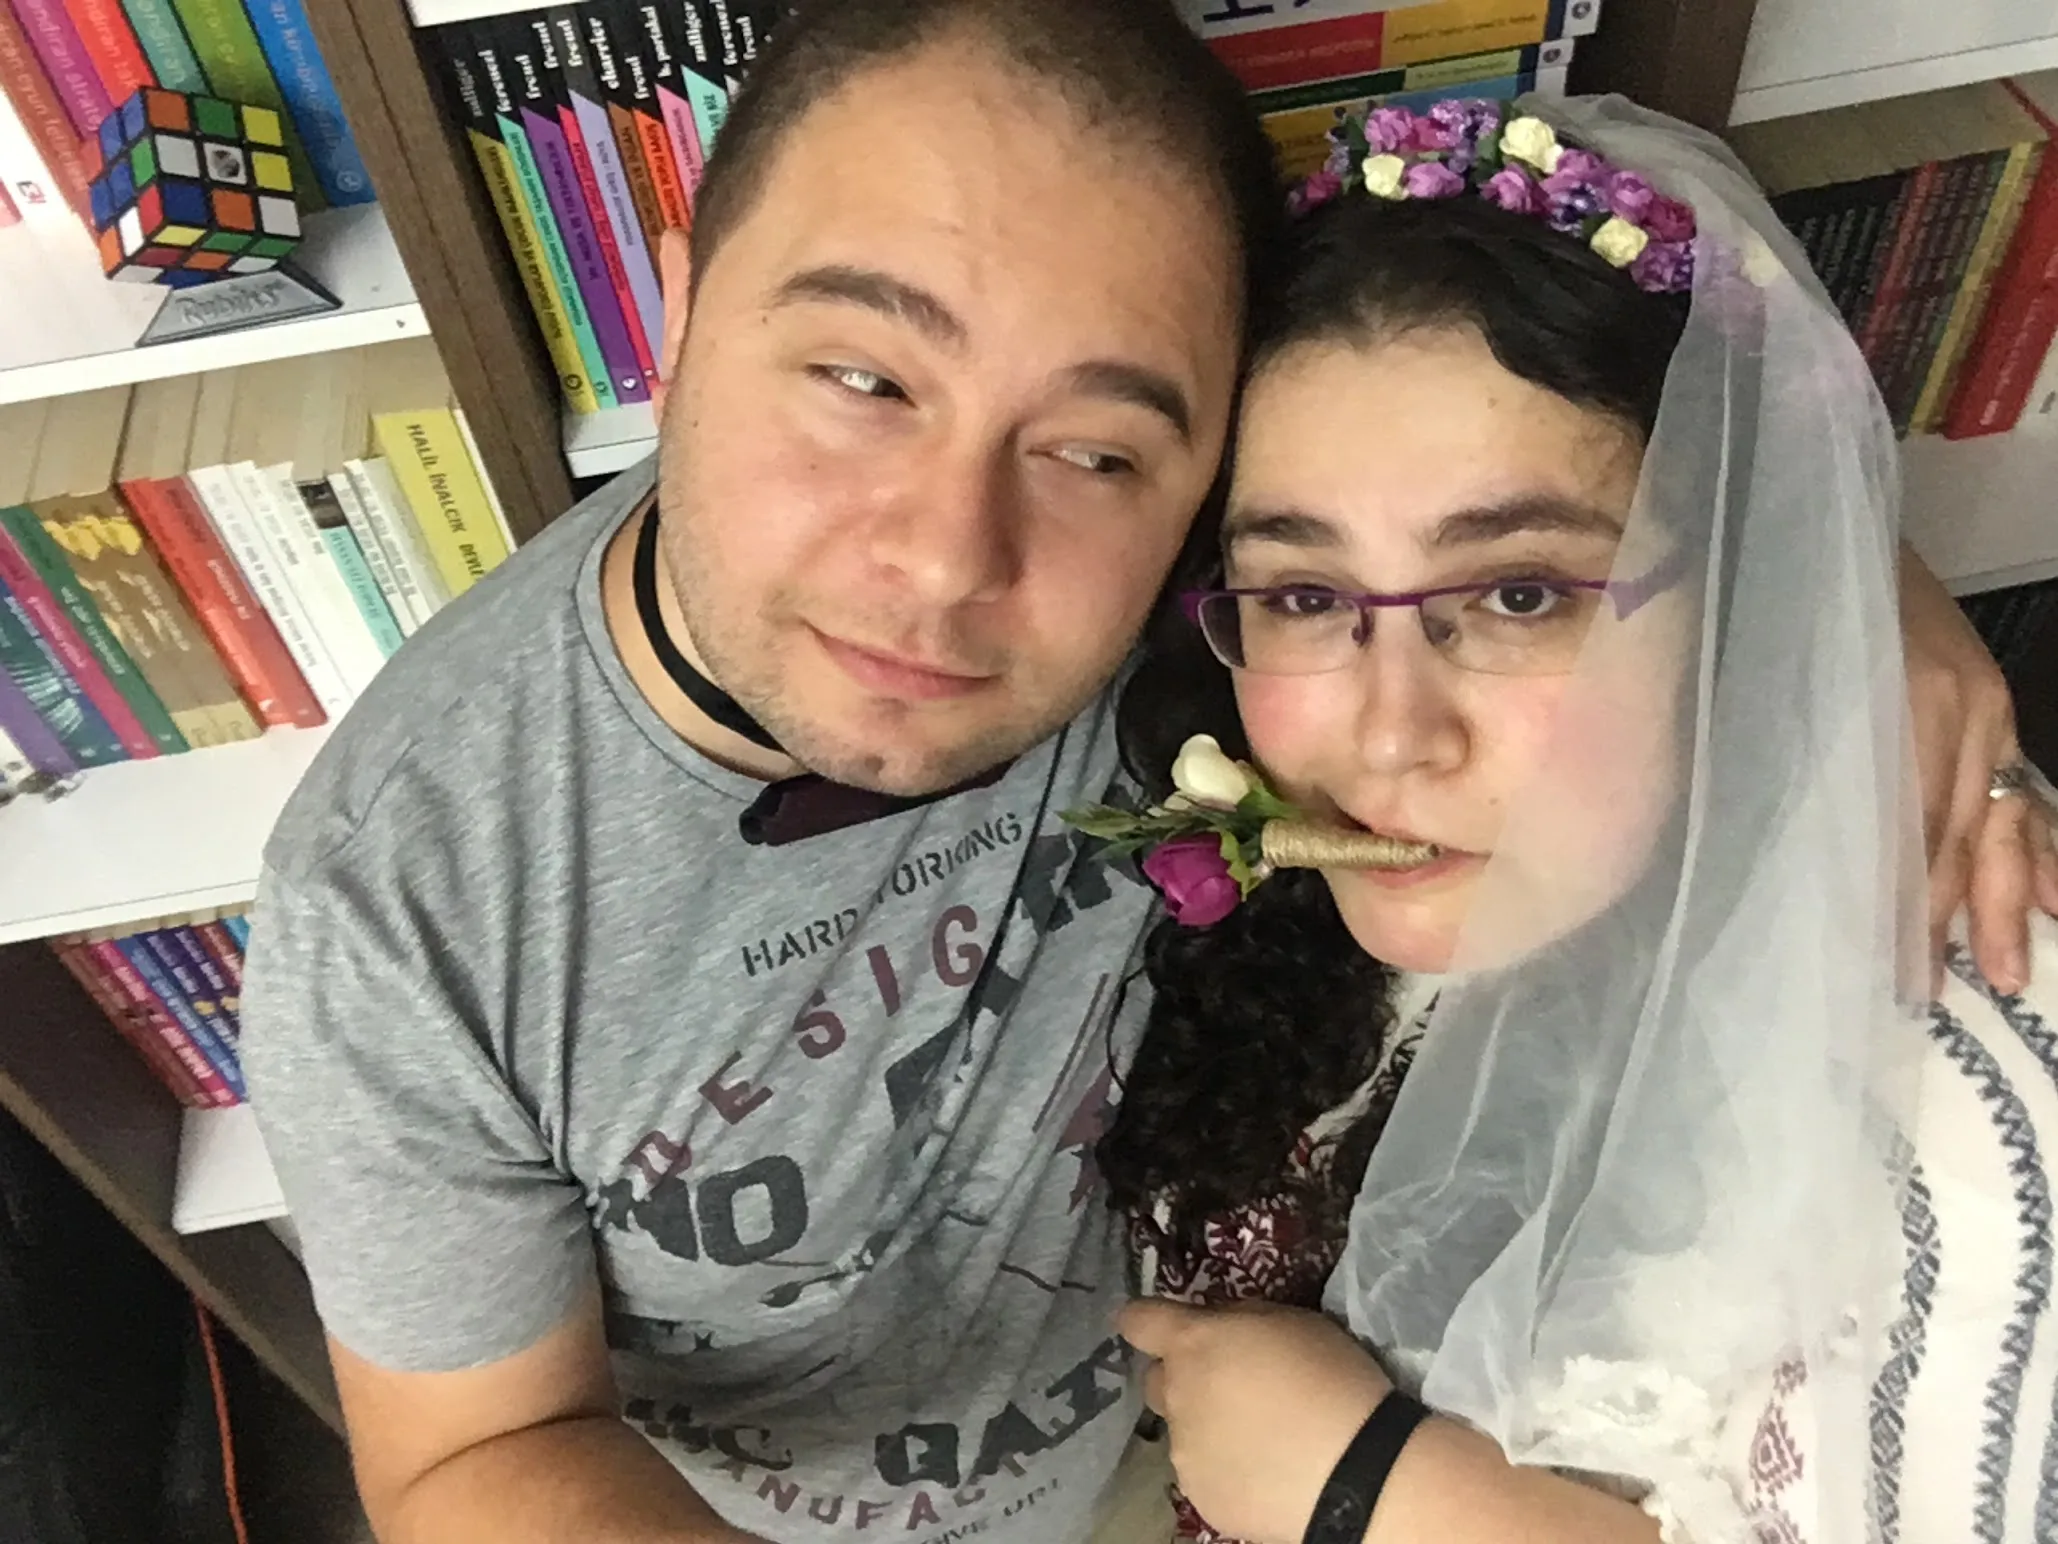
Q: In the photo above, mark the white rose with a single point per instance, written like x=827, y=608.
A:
x=1620, y=242
x=1383, y=175
x=1207, y=776
x=1534, y=141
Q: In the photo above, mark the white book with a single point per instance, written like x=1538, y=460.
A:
x=464, y=427
x=238, y=528
x=398, y=600
x=33, y=191
x=387, y=509
x=304, y=559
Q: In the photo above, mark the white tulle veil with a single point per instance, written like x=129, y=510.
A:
x=1645, y=1160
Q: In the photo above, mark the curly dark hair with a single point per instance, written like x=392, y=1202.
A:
x=1275, y=1016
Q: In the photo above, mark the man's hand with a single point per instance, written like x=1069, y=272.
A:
x=1260, y=1400
x=1992, y=856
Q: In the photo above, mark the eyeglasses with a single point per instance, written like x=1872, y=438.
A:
x=1523, y=627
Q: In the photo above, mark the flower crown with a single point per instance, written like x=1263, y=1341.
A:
x=1472, y=146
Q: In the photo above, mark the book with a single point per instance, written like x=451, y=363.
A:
x=106, y=951
x=1355, y=41
x=426, y=452
x=41, y=151
x=237, y=70
x=2014, y=180
x=58, y=700
x=165, y=46
x=145, y=961
x=615, y=99
x=180, y=955
x=484, y=108
x=399, y=603
x=311, y=100
x=228, y=956
x=134, y=1023
x=635, y=96
x=333, y=525
x=386, y=510
x=212, y=983
x=31, y=741
x=538, y=115
x=659, y=54
x=1964, y=191
x=597, y=165
x=702, y=82
x=110, y=43
x=57, y=46
x=238, y=925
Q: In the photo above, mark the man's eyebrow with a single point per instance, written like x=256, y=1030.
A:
x=840, y=283
x=1288, y=527
x=1120, y=381
x=1531, y=513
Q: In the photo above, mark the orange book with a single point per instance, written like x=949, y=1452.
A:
x=110, y=42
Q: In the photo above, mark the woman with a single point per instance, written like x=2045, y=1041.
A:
x=1559, y=548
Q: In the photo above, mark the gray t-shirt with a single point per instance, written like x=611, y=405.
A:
x=523, y=1005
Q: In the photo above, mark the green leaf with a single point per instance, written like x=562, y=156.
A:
x=1103, y=821
x=1262, y=804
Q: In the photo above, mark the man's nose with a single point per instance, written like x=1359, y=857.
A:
x=1408, y=720
x=952, y=535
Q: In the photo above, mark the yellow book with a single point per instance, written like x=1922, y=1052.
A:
x=426, y=451
x=526, y=243
x=1453, y=27
x=1996, y=236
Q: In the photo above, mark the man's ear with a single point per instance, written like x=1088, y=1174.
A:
x=675, y=274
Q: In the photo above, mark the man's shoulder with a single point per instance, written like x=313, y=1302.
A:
x=479, y=674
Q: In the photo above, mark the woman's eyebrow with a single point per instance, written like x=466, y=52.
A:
x=1528, y=514
x=1288, y=527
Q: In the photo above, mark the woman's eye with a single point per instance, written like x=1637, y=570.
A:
x=862, y=383
x=1101, y=463
x=1524, y=599
x=1297, y=604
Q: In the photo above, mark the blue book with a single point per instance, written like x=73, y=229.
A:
x=365, y=594
x=238, y=925
x=214, y=983
x=26, y=655
x=137, y=949
x=310, y=96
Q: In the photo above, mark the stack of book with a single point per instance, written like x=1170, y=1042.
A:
x=172, y=988
x=1307, y=63
x=1933, y=222
x=66, y=64
x=188, y=561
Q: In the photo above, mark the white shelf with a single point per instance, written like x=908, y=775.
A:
x=1980, y=511
x=601, y=444
x=434, y=13
x=147, y=839
x=1805, y=56
x=225, y=1175
x=68, y=328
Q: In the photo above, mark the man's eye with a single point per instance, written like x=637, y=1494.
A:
x=1101, y=463
x=862, y=383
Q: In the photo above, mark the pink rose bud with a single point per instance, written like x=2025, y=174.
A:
x=1432, y=179
x=1513, y=191
x=1194, y=878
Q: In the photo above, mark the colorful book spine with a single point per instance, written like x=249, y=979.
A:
x=145, y=955
x=636, y=97
x=32, y=738
x=702, y=80
x=57, y=45
x=234, y=61
x=674, y=100
x=110, y=42
x=2021, y=321
x=244, y=638
x=1967, y=189
x=1886, y=287
x=165, y=45
x=1356, y=43
x=1975, y=288
x=546, y=273
x=121, y=969
x=228, y=956
x=36, y=569
x=594, y=163
x=1840, y=226
x=539, y=119
x=386, y=510
x=333, y=525
x=205, y=985
x=311, y=100
x=62, y=638
x=616, y=101
x=399, y=603
x=238, y=924
x=133, y=1023
x=39, y=671
x=273, y=497
x=427, y=454
x=32, y=111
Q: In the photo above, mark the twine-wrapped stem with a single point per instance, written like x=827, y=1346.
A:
x=1296, y=844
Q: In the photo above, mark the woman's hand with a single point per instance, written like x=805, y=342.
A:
x=1260, y=1400
x=1992, y=856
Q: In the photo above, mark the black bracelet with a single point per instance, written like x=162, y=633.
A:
x=1344, y=1509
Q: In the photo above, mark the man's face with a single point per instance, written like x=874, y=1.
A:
x=947, y=400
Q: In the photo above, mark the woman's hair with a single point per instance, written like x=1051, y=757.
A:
x=1275, y=1016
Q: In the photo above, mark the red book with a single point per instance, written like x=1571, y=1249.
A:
x=65, y=60
x=1883, y=308
x=79, y=661
x=215, y=938
x=249, y=645
x=610, y=249
x=1269, y=57
x=144, y=1024
x=42, y=114
x=2022, y=316
x=110, y=42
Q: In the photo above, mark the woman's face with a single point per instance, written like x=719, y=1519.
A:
x=1409, y=465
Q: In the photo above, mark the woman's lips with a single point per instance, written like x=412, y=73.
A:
x=894, y=675
x=1447, y=862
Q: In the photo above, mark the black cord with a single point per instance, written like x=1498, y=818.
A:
x=700, y=691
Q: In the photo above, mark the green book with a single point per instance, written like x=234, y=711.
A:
x=43, y=555
x=237, y=71
x=164, y=45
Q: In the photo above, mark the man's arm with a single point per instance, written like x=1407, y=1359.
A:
x=526, y=1450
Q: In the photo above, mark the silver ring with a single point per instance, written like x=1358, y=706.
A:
x=2020, y=779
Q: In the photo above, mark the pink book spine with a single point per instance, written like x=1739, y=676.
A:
x=685, y=136
x=116, y=964
x=65, y=60
x=41, y=605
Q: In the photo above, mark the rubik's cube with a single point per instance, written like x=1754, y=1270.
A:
x=192, y=188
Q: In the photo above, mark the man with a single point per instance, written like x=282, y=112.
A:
x=730, y=1055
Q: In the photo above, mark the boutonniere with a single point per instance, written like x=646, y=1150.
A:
x=1223, y=832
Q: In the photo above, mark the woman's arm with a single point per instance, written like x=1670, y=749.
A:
x=1261, y=1401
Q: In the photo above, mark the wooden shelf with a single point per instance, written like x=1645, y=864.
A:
x=602, y=444
x=147, y=839
x=1808, y=55
x=71, y=329
x=225, y=1177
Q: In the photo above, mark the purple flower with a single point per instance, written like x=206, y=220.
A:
x=1664, y=267
x=1631, y=197
x=1513, y=191
x=1428, y=134
x=1432, y=179
x=1314, y=191
x=1338, y=162
x=1387, y=129
x=1569, y=208
x=1580, y=166
x=1668, y=220
x=1469, y=117
x=1194, y=878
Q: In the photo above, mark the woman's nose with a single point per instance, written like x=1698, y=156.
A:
x=1408, y=719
